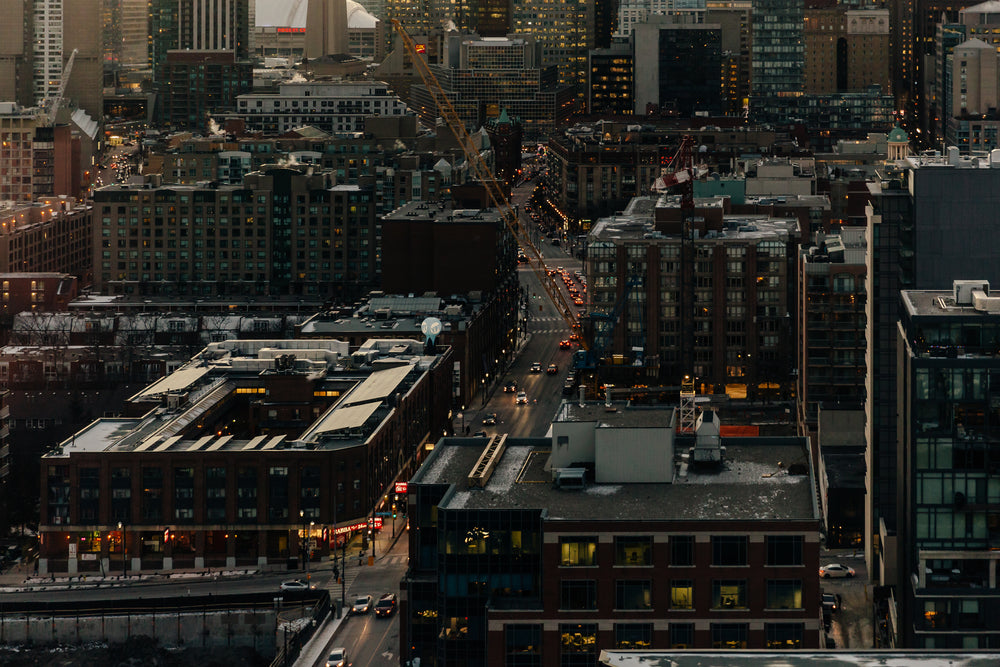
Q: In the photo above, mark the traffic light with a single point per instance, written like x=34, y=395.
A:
x=394, y=510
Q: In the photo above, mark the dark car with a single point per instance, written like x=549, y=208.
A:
x=552, y=369
x=831, y=601
x=386, y=605
x=510, y=387
x=490, y=419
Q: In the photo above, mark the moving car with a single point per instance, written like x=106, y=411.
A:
x=337, y=657
x=510, y=387
x=490, y=419
x=522, y=398
x=565, y=344
x=836, y=570
x=481, y=434
x=386, y=605
x=536, y=367
x=362, y=604
x=552, y=369
x=294, y=585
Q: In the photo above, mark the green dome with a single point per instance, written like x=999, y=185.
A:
x=898, y=136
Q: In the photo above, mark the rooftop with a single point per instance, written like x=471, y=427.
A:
x=753, y=484
x=443, y=212
x=360, y=390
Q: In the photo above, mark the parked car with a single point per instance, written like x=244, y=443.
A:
x=295, y=585
x=481, y=434
x=522, y=398
x=836, y=570
x=831, y=601
x=362, y=604
x=337, y=657
x=490, y=419
x=386, y=605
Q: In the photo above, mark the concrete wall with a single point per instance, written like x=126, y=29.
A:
x=255, y=629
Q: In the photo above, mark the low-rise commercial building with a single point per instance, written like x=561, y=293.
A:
x=246, y=455
x=610, y=533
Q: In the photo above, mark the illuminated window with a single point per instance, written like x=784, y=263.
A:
x=633, y=635
x=682, y=594
x=578, y=551
x=784, y=635
x=634, y=550
x=729, y=594
x=578, y=644
x=729, y=635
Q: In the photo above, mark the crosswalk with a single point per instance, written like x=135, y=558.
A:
x=353, y=570
x=537, y=325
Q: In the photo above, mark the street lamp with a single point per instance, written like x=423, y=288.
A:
x=122, y=530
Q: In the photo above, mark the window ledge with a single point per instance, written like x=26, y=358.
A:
x=643, y=611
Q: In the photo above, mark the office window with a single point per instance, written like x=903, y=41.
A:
x=729, y=550
x=784, y=594
x=633, y=594
x=681, y=635
x=729, y=594
x=682, y=594
x=682, y=550
x=524, y=645
x=633, y=635
x=578, y=644
x=634, y=550
x=784, y=635
x=784, y=549
x=578, y=551
x=729, y=635
x=578, y=594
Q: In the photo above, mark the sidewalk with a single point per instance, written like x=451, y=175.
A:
x=316, y=648
x=22, y=577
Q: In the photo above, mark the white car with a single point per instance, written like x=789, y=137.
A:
x=362, y=604
x=522, y=398
x=295, y=585
x=836, y=570
x=337, y=658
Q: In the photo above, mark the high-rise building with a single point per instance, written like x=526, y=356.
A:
x=928, y=224
x=565, y=30
x=482, y=74
x=16, y=52
x=326, y=28
x=845, y=49
x=734, y=17
x=678, y=67
x=610, y=76
x=778, y=49
x=948, y=381
x=204, y=39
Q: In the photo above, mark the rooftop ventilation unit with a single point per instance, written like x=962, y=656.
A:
x=570, y=478
x=707, y=444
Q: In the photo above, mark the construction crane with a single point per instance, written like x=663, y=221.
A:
x=497, y=195
x=56, y=102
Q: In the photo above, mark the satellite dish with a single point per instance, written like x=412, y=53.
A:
x=431, y=327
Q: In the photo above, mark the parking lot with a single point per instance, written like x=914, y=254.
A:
x=851, y=625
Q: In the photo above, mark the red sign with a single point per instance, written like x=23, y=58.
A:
x=401, y=487
x=420, y=48
x=293, y=30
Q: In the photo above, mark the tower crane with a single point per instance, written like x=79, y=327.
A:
x=493, y=188
x=55, y=102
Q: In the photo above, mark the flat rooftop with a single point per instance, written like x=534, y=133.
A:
x=753, y=484
x=632, y=417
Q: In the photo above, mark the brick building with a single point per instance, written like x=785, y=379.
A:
x=546, y=551
x=241, y=455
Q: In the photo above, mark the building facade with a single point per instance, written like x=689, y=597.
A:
x=49, y=235
x=286, y=230
x=539, y=566
x=154, y=492
x=678, y=68
x=831, y=326
x=947, y=377
x=330, y=107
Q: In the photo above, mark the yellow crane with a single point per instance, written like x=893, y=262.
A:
x=493, y=188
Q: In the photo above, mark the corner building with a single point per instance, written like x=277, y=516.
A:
x=536, y=562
